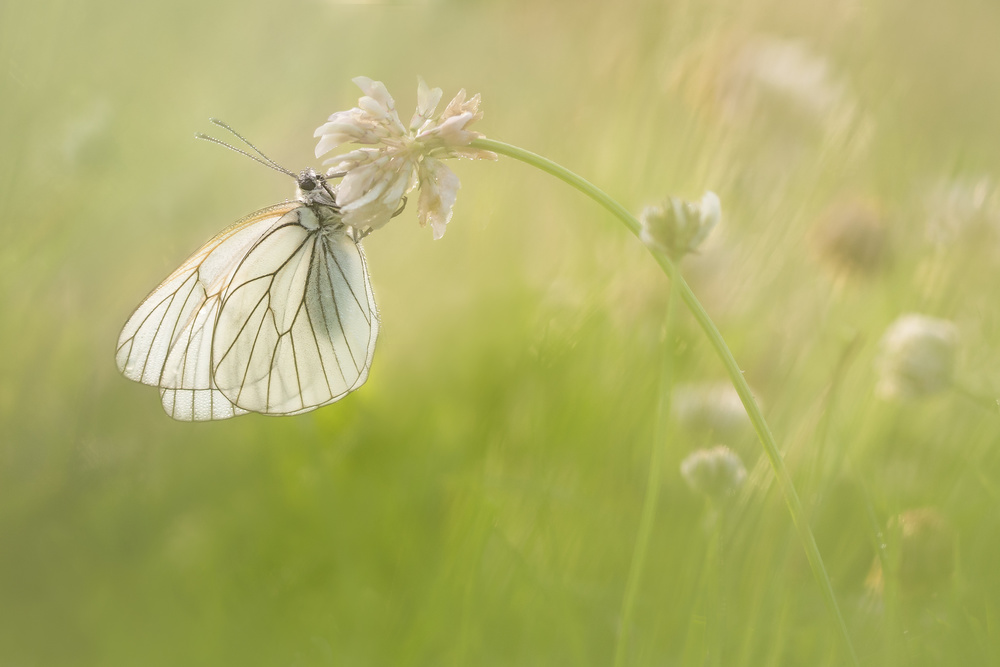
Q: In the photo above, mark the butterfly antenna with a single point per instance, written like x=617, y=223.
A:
x=269, y=165
x=228, y=128
x=263, y=159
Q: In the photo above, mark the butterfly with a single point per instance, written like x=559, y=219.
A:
x=274, y=315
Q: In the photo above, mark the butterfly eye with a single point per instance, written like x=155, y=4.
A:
x=307, y=185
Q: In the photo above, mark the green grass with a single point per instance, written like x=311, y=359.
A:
x=477, y=501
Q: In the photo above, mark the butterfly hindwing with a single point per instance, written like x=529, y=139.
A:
x=167, y=340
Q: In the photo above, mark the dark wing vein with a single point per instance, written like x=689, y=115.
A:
x=336, y=310
x=326, y=317
x=351, y=287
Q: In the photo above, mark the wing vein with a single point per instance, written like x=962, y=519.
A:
x=336, y=315
x=236, y=338
x=336, y=307
x=351, y=287
x=253, y=347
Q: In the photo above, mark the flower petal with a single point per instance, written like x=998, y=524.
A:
x=375, y=90
x=378, y=99
x=427, y=101
x=459, y=105
x=351, y=160
x=369, y=195
x=438, y=192
x=359, y=185
x=474, y=154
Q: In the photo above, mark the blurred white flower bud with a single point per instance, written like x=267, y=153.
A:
x=716, y=472
x=714, y=408
x=917, y=357
x=852, y=239
x=764, y=84
x=678, y=227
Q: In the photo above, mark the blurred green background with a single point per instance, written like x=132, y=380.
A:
x=477, y=501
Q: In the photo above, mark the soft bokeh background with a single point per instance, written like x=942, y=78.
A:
x=476, y=502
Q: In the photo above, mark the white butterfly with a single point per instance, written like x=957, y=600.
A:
x=274, y=315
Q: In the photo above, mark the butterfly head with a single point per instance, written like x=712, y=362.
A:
x=313, y=189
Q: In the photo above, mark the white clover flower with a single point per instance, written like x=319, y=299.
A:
x=739, y=74
x=716, y=472
x=852, y=238
x=917, y=357
x=741, y=78
x=375, y=180
x=678, y=227
x=791, y=70
x=712, y=407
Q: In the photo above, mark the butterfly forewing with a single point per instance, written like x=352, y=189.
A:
x=297, y=324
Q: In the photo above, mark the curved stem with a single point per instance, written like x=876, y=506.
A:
x=652, y=484
x=725, y=355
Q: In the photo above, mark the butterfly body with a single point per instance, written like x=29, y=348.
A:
x=274, y=315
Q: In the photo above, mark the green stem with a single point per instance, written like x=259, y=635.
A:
x=652, y=485
x=714, y=613
x=725, y=355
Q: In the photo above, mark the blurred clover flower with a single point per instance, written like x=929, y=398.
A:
x=739, y=77
x=916, y=357
x=715, y=408
x=678, y=227
x=375, y=180
x=850, y=236
x=715, y=473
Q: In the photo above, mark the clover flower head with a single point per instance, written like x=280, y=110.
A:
x=917, y=357
x=852, y=239
x=678, y=227
x=396, y=159
x=716, y=473
x=713, y=408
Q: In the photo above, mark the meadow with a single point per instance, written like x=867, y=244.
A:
x=478, y=500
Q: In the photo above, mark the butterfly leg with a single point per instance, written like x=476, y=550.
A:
x=402, y=206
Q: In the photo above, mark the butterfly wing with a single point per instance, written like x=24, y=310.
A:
x=167, y=341
x=297, y=325
x=195, y=396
